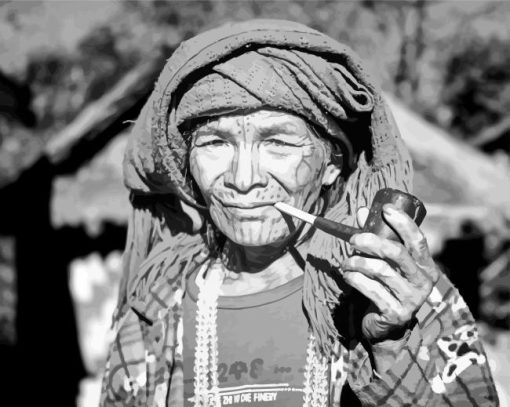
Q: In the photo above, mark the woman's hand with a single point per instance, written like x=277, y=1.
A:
x=396, y=277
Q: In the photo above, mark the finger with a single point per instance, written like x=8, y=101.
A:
x=402, y=289
x=409, y=232
x=362, y=215
x=374, y=291
x=374, y=245
x=393, y=252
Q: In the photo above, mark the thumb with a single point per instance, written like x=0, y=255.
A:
x=361, y=216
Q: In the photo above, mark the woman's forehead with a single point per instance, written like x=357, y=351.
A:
x=262, y=120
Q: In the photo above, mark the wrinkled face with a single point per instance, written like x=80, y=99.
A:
x=243, y=164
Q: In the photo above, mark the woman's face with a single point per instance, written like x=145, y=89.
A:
x=243, y=164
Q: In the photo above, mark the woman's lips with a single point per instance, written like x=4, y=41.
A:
x=247, y=210
x=257, y=212
x=250, y=205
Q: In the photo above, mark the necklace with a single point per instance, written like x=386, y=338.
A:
x=206, y=383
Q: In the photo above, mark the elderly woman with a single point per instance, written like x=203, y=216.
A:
x=225, y=301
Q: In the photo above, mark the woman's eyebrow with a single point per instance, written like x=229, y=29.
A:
x=274, y=128
x=212, y=131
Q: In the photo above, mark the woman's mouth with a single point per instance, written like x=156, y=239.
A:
x=246, y=210
x=248, y=205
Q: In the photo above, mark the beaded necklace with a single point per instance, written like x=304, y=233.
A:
x=206, y=383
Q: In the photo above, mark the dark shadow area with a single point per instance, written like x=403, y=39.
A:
x=45, y=365
x=46, y=360
x=15, y=99
x=348, y=398
x=77, y=243
x=462, y=259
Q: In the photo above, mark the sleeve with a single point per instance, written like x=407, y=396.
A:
x=443, y=362
x=125, y=374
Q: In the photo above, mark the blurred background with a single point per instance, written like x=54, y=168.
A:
x=74, y=75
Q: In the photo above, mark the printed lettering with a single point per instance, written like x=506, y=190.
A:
x=222, y=372
x=265, y=396
x=282, y=369
x=237, y=369
x=246, y=398
x=256, y=367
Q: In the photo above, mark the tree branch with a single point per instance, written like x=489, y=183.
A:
x=102, y=113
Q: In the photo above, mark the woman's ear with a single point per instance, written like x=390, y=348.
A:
x=331, y=173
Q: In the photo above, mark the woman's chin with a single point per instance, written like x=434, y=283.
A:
x=254, y=236
x=261, y=230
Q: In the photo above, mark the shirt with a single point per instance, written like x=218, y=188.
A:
x=262, y=340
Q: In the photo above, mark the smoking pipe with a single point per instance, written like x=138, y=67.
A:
x=374, y=223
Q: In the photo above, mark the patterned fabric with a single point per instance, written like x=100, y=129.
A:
x=443, y=363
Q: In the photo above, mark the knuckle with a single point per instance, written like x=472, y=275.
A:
x=385, y=270
x=404, y=316
x=435, y=273
x=392, y=315
x=401, y=251
x=386, y=311
x=420, y=243
x=353, y=262
x=397, y=251
x=347, y=263
x=427, y=287
x=357, y=261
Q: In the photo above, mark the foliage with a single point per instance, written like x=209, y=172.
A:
x=477, y=85
x=66, y=82
x=463, y=88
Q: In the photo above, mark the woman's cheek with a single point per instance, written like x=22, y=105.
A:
x=282, y=167
x=296, y=172
x=207, y=166
x=301, y=177
x=310, y=169
x=305, y=173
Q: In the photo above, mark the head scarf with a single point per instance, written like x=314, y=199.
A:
x=255, y=64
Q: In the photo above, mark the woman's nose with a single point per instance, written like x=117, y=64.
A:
x=245, y=170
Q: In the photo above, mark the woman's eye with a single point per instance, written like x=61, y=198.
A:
x=278, y=142
x=214, y=143
x=210, y=142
